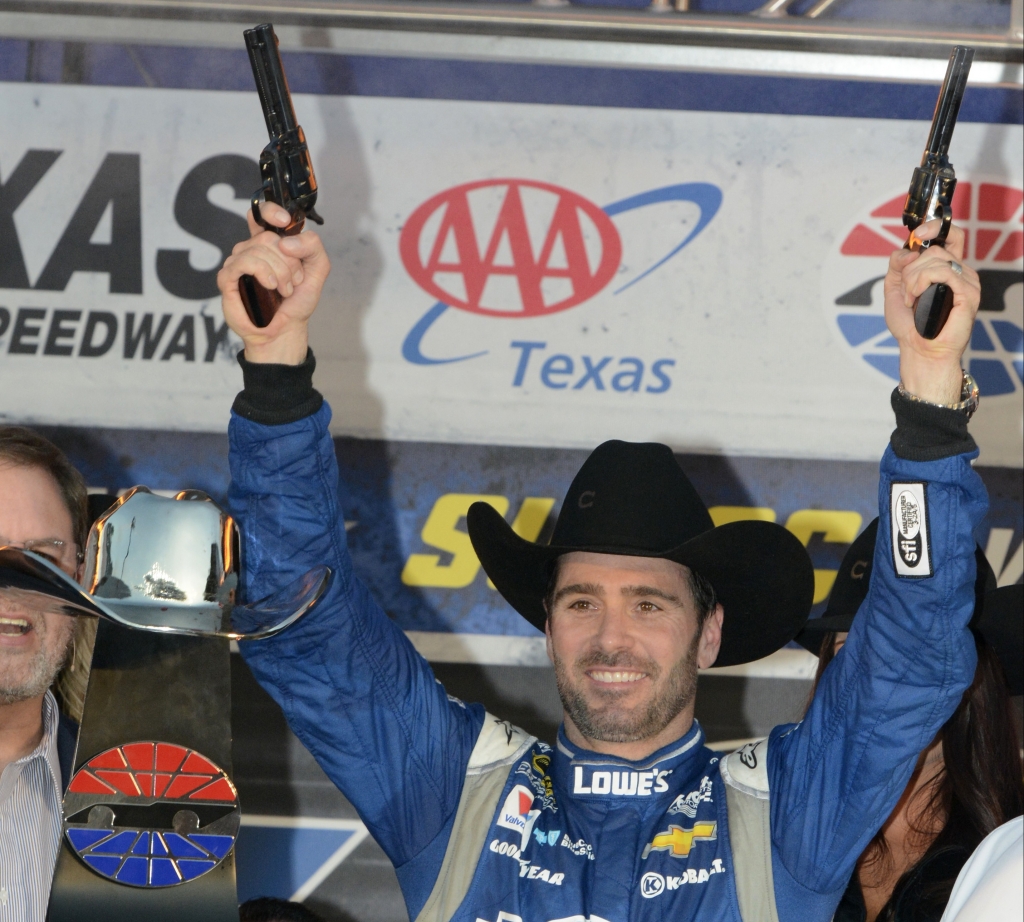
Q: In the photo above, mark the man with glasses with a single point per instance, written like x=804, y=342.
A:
x=43, y=508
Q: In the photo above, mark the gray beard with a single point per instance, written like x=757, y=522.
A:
x=42, y=670
x=612, y=726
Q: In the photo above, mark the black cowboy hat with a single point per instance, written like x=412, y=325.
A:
x=997, y=612
x=633, y=499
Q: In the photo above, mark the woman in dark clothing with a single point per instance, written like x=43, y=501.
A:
x=967, y=781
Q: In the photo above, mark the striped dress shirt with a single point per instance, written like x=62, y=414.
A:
x=30, y=825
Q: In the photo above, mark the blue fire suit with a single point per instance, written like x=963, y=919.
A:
x=572, y=834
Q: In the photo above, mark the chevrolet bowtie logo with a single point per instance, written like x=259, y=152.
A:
x=679, y=841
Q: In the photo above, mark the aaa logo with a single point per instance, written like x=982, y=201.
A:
x=990, y=214
x=510, y=247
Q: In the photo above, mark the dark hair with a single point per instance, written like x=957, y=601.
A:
x=703, y=593
x=270, y=909
x=980, y=786
x=24, y=448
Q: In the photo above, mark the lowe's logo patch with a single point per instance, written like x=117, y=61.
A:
x=625, y=783
x=911, y=554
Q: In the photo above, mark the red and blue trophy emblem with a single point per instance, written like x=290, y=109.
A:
x=151, y=814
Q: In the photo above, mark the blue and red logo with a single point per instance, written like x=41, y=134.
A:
x=991, y=214
x=519, y=249
x=150, y=814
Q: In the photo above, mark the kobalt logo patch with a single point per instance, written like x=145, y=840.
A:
x=991, y=215
x=911, y=554
x=510, y=247
x=652, y=884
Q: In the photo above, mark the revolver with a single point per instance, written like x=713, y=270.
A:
x=931, y=190
x=286, y=170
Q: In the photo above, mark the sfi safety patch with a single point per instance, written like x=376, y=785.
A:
x=911, y=548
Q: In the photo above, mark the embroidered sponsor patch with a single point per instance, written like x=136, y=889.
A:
x=624, y=784
x=653, y=884
x=678, y=841
x=688, y=803
x=517, y=813
x=911, y=550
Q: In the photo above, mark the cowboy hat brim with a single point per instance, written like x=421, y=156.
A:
x=760, y=573
x=1000, y=625
x=34, y=583
x=814, y=631
x=1003, y=629
x=845, y=601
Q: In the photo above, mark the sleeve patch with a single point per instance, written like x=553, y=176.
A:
x=746, y=769
x=911, y=545
x=499, y=743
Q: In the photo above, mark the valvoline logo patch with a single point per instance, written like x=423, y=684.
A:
x=991, y=214
x=151, y=814
x=517, y=813
x=521, y=249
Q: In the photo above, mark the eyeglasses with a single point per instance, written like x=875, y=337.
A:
x=64, y=554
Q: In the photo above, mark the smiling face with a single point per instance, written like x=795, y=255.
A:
x=624, y=638
x=33, y=646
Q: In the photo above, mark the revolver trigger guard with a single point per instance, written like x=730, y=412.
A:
x=256, y=216
x=947, y=223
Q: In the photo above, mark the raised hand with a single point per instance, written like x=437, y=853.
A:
x=296, y=266
x=930, y=368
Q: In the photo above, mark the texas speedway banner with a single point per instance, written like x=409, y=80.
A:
x=504, y=273
x=513, y=282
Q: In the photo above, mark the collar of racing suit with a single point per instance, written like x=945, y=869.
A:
x=592, y=776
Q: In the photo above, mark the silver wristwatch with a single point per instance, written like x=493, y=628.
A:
x=970, y=397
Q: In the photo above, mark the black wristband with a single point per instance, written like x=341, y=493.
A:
x=277, y=394
x=925, y=432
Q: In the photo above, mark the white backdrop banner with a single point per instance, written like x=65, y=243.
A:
x=504, y=273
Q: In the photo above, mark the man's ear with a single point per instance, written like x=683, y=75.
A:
x=710, y=638
x=547, y=638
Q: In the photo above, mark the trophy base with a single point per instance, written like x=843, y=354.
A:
x=150, y=816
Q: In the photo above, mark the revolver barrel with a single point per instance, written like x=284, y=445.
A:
x=271, y=83
x=934, y=181
x=947, y=108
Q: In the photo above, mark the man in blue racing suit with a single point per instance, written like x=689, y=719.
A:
x=629, y=817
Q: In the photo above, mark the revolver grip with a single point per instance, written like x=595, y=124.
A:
x=261, y=304
x=931, y=310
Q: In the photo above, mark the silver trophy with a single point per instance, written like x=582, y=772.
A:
x=153, y=563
